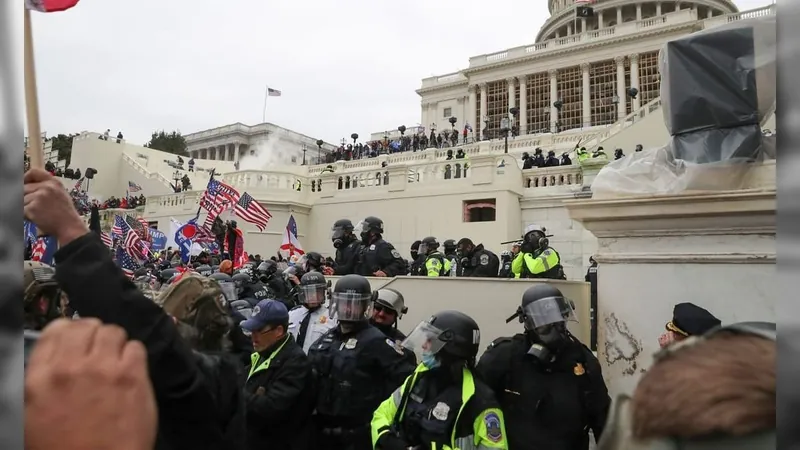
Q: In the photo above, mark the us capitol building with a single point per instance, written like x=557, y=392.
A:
x=573, y=86
x=587, y=64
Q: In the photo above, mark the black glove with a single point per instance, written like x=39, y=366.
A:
x=388, y=441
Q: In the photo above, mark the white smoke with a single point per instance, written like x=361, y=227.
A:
x=268, y=153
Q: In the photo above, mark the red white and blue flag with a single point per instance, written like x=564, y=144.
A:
x=251, y=211
x=290, y=242
x=133, y=187
x=50, y=5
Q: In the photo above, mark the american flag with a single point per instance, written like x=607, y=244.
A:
x=204, y=235
x=140, y=226
x=126, y=263
x=251, y=211
x=213, y=212
x=119, y=228
x=133, y=187
x=107, y=239
x=273, y=92
x=218, y=194
x=78, y=184
x=133, y=243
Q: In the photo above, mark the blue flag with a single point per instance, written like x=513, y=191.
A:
x=29, y=230
x=158, y=240
x=184, y=237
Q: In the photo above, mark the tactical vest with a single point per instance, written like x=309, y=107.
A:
x=348, y=389
x=442, y=271
x=554, y=273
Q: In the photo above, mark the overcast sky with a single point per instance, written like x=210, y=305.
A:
x=343, y=67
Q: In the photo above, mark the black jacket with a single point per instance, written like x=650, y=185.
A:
x=280, y=400
x=482, y=263
x=546, y=406
x=347, y=258
x=187, y=417
x=223, y=373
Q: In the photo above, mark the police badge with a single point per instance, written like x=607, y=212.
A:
x=441, y=411
x=484, y=259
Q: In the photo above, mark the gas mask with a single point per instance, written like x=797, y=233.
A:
x=534, y=241
x=547, y=340
x=339, y=238
x=366, y=237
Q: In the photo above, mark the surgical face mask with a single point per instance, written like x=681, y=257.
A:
x=430, y=360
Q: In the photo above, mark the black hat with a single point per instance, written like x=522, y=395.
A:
x=689, y=319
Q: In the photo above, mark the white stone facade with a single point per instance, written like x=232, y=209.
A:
x=231, y=142
x=586, y=64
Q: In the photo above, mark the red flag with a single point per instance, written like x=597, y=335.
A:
x=50, y=5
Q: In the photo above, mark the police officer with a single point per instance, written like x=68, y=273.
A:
x=591, y=278
x=618, y=154
x=443, y=405
x=450, y=252
x=582, y=154
x=41, y=295
x=415, y=268
x=357, y=367
x=537, y=259
x=279, y=390
x=267, y=273
x=479, y=261
x=378, y=258
x=688, y=320
x=312, y=262
x=538, y=158
x=347, y=247
x=550, y=386
x=309, y=321
x=551, y=160
x=505, y=265
x=387, y=308
x=204, y=270
x=435, y=264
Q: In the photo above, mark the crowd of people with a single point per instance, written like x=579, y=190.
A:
x=212, y=353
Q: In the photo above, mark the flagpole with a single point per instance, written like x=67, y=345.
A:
x=264, y=115
x=200, y=207
x=35, y=147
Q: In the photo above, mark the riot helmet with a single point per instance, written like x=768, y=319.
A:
x=415, y=250
x=341, y=232
x=166, y=275
x=204, y=270
x=525, y=155
x=639, y=147
x=240, y=281
x=449, y=153
x=351, y=299
x=390, y=299
x=313, y=261
x=215, y=268
x=312, y=290
x=226, y=284
x=537, y=151
x=451, y=334
x=449, y=246
x=266, y=270
x=534, y=239
x=544, y=312
x=551, y=154
x=41, y=294
x=428, y=245
x=368, y=228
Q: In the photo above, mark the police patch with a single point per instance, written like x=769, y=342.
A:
x=493, y=430
x=396, y=254
x=395, y=346
x=484, y=259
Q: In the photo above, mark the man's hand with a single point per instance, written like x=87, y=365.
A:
x=87, y=387
x=380, y=273
x=48, y=205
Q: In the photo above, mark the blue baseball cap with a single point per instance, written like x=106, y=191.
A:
x=265, y=313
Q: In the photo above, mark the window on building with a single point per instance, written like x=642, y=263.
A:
x=483, y=210
x=539, y=103
x=447, y=112
x=603, y=82
x=496, y=106
x=649, y=78
x=570, y=92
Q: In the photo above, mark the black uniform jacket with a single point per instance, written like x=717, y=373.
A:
x=280, y=400
x=347, y=258
x=187, y=417
x=483, y=263
x=546, y=407
x=223, y=372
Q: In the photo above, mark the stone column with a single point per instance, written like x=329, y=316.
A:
x=512, y=92
x=553, y=97
x=587, y=97
x=619, y=15
x=523, y=105
x=658, y=8
x=583, y=24
x=638, y=11
x=473, y=107
x=621, y=106
x=600, y=25
x=637, y=102
x=709, y=13
x=238, y=151
x=484, y=103
x=569, y=29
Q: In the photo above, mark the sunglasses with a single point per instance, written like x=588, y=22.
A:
x=380, y=308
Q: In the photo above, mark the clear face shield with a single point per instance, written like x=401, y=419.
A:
x=351, y=306
x=542, y=315
x=312, y=295
x=360, y=227
x=424, y=341
x=302, y=263
x=230, y=291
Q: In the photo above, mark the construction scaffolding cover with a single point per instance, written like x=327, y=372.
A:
x=717, y=88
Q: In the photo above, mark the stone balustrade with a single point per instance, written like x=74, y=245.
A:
x=545, y=177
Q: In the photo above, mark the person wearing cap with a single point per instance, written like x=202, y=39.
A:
x=688, y=319
x=279, y=392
